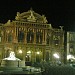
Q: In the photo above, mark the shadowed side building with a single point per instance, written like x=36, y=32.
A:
x=70, y=46
x=31, y=38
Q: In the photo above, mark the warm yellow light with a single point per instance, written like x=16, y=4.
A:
x=56, y=55
x=38, y=52
x=70, y=57
x=20, y=51
x=29, y=52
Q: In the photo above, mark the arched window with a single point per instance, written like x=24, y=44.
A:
x=10, y=38
x=39, y=37
x=47, y=40
x=20, y=36
x=30, y=37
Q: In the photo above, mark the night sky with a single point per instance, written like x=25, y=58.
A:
x=57, y=12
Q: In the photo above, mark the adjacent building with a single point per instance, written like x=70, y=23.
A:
x=71, y=46
x=31, y=38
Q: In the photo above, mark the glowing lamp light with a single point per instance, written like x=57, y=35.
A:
x=20, y=51
x=70, y=57
x=29, y=52
x=56, y=55
x=26, y=56
x=38, y=52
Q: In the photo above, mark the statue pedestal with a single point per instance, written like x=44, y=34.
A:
x=12, y=63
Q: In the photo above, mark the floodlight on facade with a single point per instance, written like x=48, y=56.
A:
x=38, y=52
x=29, y=52
x=20, y=51
x=56, y=55
x=70, y=57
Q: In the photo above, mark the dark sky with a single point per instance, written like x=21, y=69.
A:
x=58, y=12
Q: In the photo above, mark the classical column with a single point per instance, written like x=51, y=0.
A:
x=15, y=34
x=44, y=36
x=5, y=36
x=25, y=40
x=44, y=53
x=34, y=36
x=24, y=53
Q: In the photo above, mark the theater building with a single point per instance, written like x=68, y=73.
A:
x=31, y=38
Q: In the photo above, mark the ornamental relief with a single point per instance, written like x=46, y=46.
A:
x=31, y=16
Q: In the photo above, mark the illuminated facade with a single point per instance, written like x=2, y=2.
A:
x=71, y=45
x=31, y=38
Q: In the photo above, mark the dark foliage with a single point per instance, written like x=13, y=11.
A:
x=53, y=69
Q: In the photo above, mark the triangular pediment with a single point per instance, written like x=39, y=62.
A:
x=31, y=16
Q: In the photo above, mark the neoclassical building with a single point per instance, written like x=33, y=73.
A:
x=31, y=38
